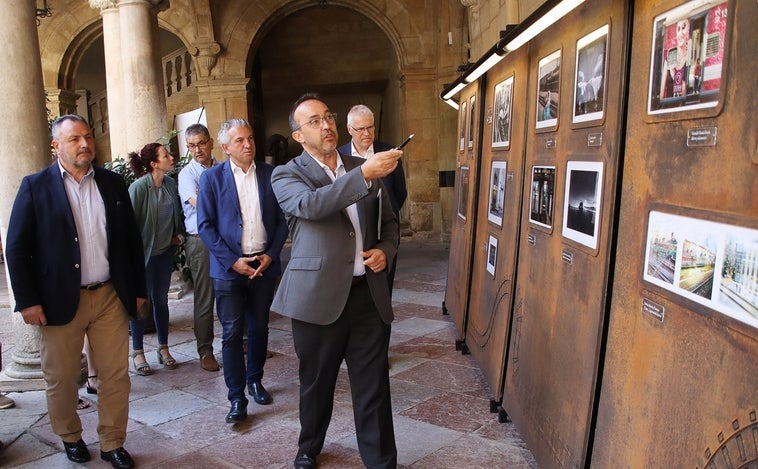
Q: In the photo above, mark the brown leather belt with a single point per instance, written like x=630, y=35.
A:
x=358, y=280
x=193, y=235
x=94, y=286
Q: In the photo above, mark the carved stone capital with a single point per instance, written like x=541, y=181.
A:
x=206, y=56
x=102, y=4
x=159, y=5
x=473, y=15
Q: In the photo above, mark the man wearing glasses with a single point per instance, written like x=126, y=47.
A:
x=200, y=145
x=335, y=286
x=360, y=125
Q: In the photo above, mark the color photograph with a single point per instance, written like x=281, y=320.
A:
x=581, y=207
x=548, y=90
x=711, y=263
x=589, y=87
x=501, y=124
x=687, y=60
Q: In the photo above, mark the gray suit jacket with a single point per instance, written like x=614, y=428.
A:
x=317, y=281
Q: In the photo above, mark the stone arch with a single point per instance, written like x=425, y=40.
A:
x=64, y=38
x=246, y=23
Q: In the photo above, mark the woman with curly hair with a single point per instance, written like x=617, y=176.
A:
x=155, y=197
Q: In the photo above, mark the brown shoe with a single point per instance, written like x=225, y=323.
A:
x=208, y=363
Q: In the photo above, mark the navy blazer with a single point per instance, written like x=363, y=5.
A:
x=219, y=219
x=394, y=182
x=42, y=245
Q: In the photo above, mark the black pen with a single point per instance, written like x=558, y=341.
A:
x=405, y=142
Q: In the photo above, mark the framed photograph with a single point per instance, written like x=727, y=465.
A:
x=472, y=114
x=581, y=207
x=710, y=263
x=462, y=144
x=548, y=90
x=687, y=60
x=501, y=121
x=491, y=255
x=542, y=196
x=497, y=192
x=589, y=82
x=463, y=186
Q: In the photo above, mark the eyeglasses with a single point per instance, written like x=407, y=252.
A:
x=317, y=122
x=194, y=146
x=368, y=129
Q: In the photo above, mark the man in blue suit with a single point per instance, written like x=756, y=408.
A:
x=360, y=126
x=75, y=260
x=240, y=222
x=335, y=287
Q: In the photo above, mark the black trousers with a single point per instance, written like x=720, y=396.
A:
x=361, y=338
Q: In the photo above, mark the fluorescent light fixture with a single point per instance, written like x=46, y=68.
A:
x=542, y=23
x=452, y=92
x=483, y=66
x=452, y=104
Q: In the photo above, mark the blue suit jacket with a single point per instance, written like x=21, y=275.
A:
x=42, y=245
x=219, y=220
x=394, y=182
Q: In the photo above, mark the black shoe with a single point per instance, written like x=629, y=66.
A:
x=119, y=458
x=259, y=393
x=303, y=461
x=238, y=412
x=77, y=452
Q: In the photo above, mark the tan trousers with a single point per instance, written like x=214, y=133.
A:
x=101, y=316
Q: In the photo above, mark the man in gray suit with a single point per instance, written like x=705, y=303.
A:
x=335, y=287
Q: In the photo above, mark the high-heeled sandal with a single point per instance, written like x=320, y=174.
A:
x=142, y=368
x=91, y=389
x=166, y=360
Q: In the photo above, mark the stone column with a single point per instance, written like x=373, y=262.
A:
x=26, y=150
x=144, y=102
x=113, y=82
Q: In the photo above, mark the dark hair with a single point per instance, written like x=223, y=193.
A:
x=140, y=162
x=197, y=129
x=301, y=100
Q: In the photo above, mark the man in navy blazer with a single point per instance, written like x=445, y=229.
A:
x=240, y=222
x=335, y=286
x=75, y=261
x=360, y=126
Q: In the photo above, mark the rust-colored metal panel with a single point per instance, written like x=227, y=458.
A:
x=572, y=160
x=498, y=221
x=680, y=384
x=464, y=220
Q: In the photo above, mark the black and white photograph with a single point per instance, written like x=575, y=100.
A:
x=581, y=207
x=542, y=196
x=589, y=88
x=464, y=120
x=501, y=121
x=491, y=255
x=471, y=121
x=548, y=90
x=463, y=187
x=497, y=192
